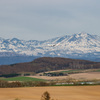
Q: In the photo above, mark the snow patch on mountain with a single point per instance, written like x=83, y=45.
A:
x=77, y=45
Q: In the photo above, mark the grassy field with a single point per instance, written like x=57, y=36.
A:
x=57, y=93
x=22, y=79
x=98, y=70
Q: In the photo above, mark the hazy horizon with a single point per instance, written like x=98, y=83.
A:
x=42, y=19
x=47, y=38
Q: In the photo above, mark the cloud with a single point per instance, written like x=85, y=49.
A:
x=38, y=18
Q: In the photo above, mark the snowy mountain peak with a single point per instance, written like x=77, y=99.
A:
x=14, y=39
x=82, y=35
x=77, y=45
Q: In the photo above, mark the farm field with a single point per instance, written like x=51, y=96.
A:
x=88, y=76
x=22, y=79
x=79, y=76
x=57, y=93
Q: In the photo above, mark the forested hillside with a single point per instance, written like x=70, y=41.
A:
x=47, y=64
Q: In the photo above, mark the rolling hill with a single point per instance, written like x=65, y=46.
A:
x=47, y=64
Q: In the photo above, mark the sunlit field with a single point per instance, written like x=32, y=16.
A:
x=57, y=93
x=79, y=76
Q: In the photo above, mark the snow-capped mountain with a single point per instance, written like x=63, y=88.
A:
x=81, y=45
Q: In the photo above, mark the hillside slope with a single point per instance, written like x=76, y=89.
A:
x=47, y=64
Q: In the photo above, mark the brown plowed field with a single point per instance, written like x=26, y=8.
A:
x=57, y=93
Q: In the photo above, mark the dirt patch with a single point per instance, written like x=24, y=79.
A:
x=58, y=93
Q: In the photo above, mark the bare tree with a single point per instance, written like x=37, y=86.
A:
x=45, y=96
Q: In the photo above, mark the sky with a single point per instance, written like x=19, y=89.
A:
x=46, y=19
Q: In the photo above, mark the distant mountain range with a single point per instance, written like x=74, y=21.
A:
x=77, y=46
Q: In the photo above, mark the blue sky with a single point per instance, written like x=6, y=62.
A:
x=45, y=19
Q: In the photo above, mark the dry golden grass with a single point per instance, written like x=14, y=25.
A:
x=58, y=93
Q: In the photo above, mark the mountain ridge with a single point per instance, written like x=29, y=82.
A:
x=81, y=45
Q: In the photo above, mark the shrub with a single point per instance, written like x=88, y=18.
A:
x=17, y=99
x=45, y=96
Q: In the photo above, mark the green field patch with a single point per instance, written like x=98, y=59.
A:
x=22, y=79
x=97, y=70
